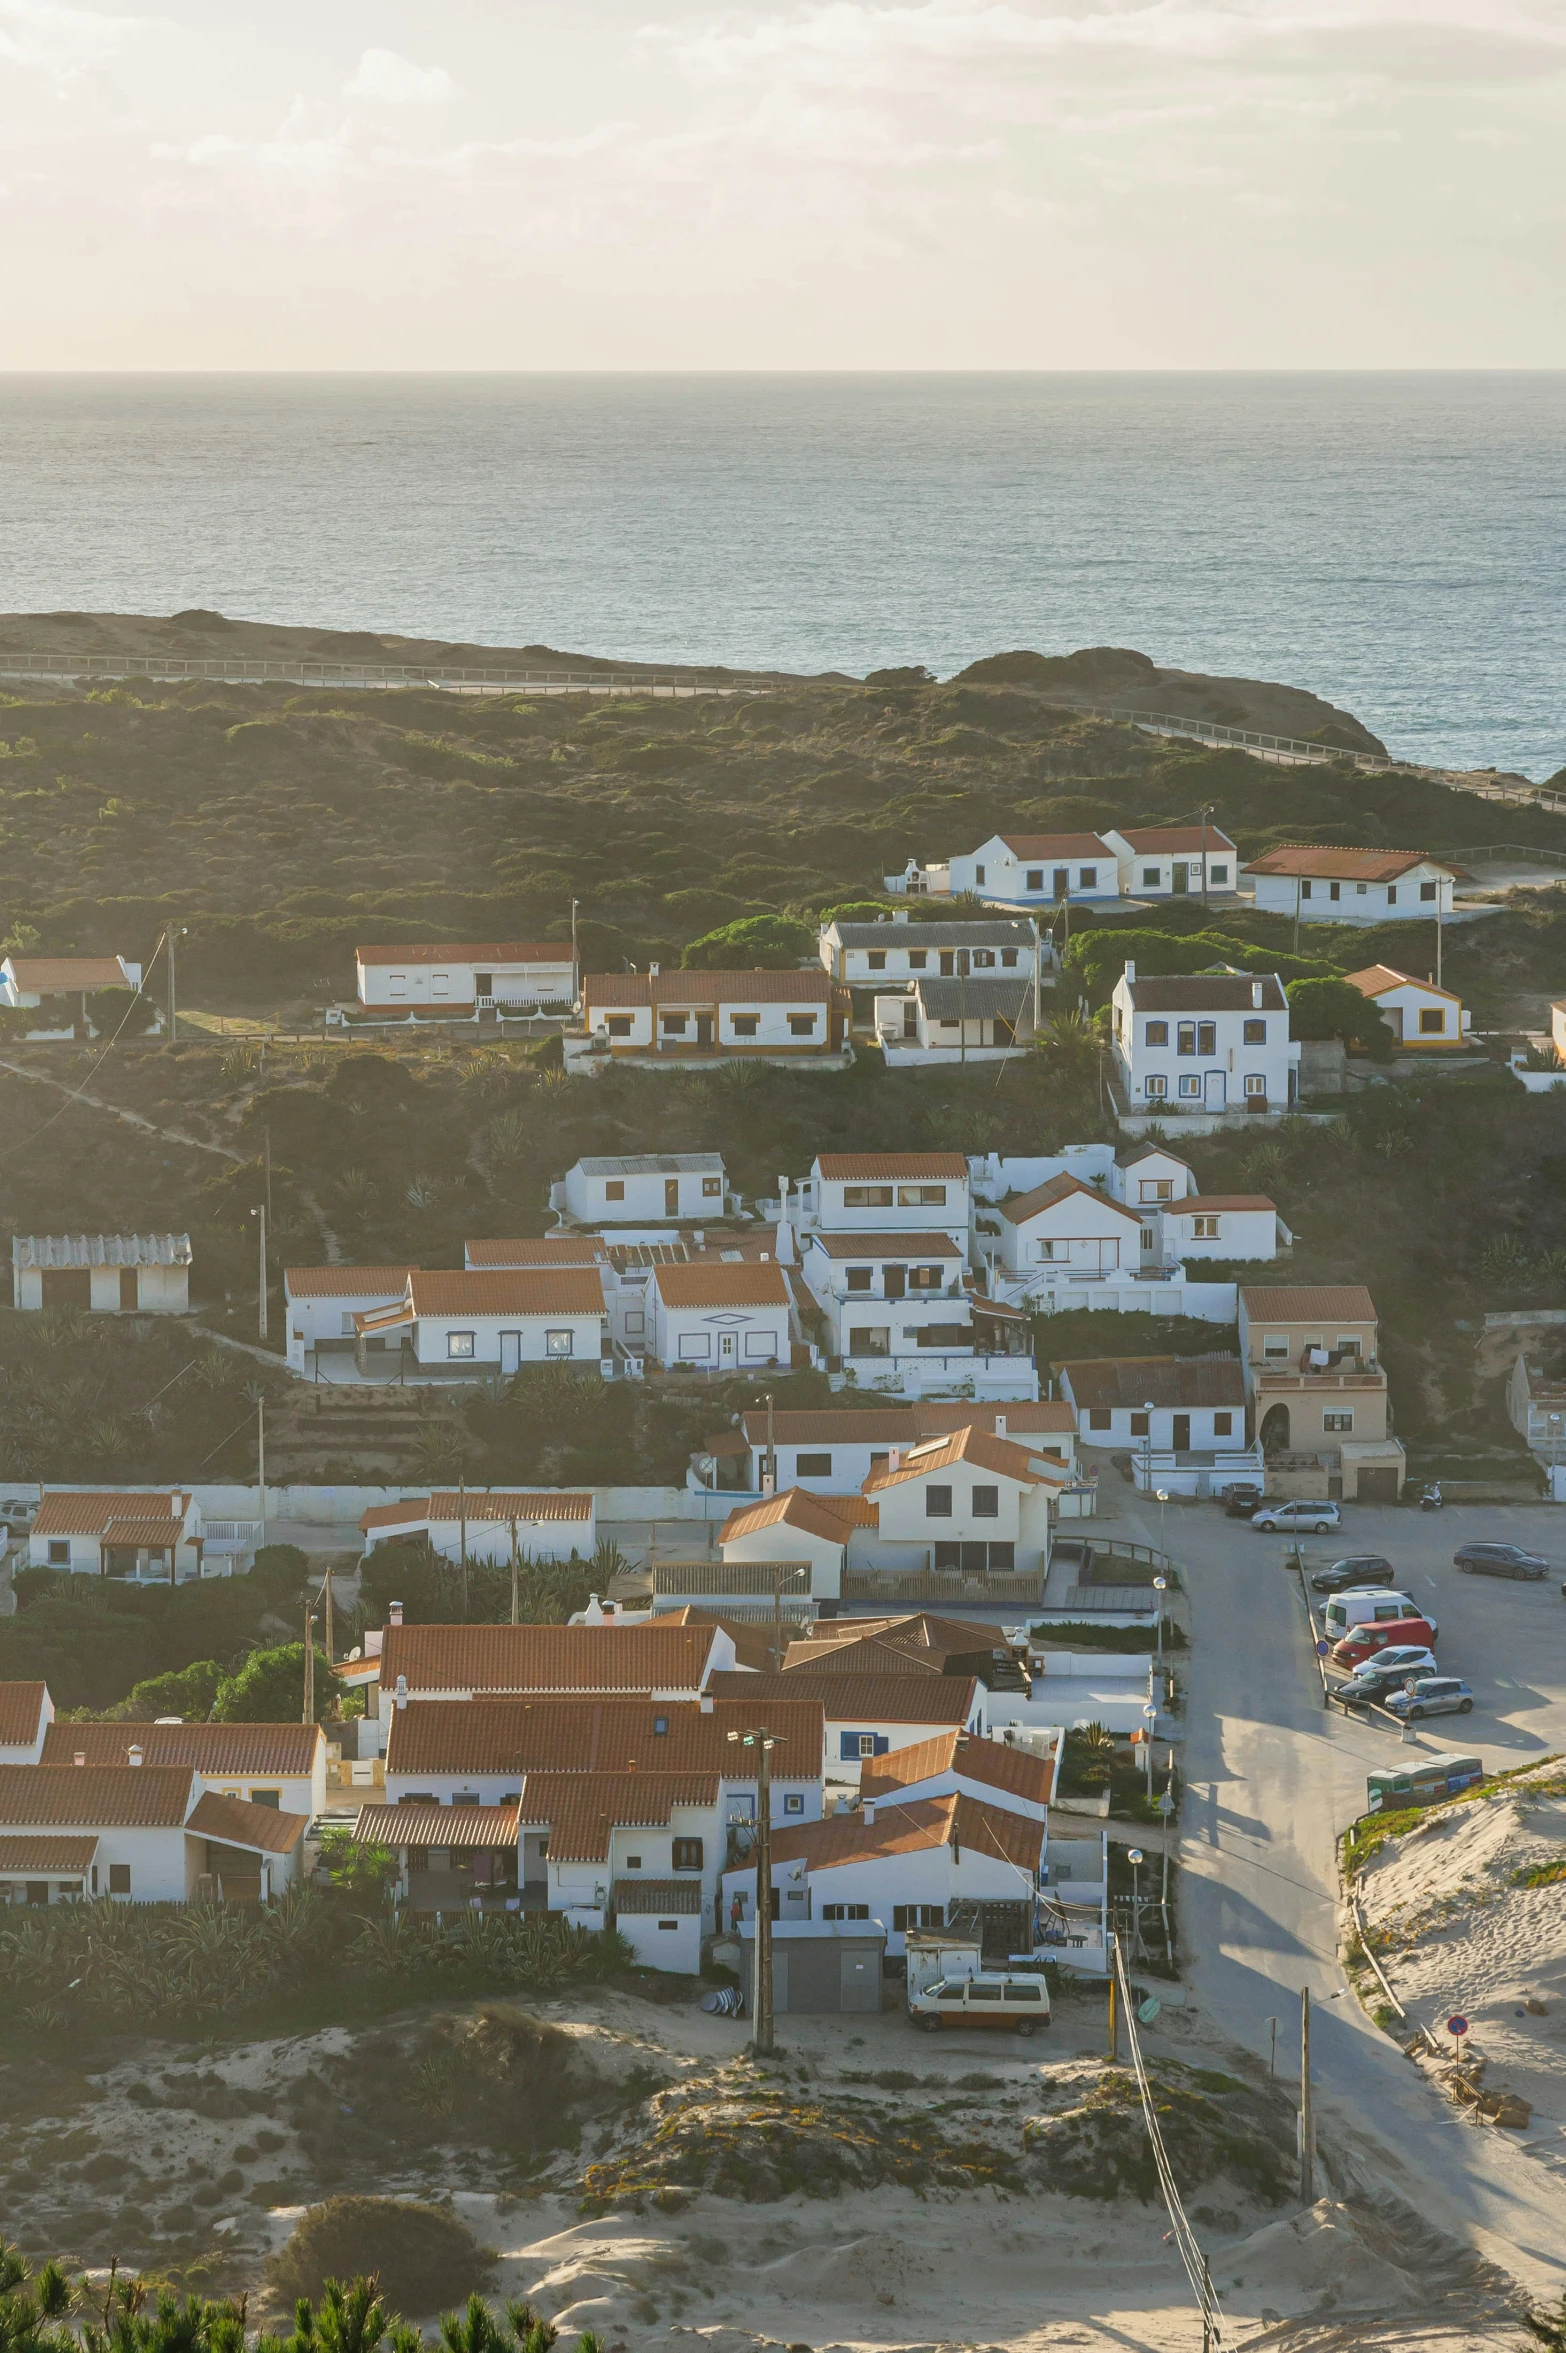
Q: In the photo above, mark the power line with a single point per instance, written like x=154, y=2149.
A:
x=1190, y=2253
x=74, y=1097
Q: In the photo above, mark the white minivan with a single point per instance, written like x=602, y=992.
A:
x=1018, y=2004
x=1370, y=1605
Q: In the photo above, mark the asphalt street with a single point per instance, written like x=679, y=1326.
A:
x=1272, y=1777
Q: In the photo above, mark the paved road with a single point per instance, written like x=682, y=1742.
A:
x=1272, y=1777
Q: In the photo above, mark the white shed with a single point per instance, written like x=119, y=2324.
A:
x=108, y=1274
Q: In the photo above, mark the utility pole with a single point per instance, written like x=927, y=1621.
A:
x=1307, y=2122
x=266, y=1138
x=1296, y=915
x=576, y=962
x=1207, y=810
x=261, y=1462
x=1114, y=2013
x=1438, y=931
x=168, y=944
x=309, y=1666
x=331, y=1640
x=772, y=1451
x=462, y=1523
x=763, y=1742
x=1038, y=977
x=515, y=1573
x=260, y=1212
x=962, y=1005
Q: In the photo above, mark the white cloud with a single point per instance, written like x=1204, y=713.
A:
x=391, y=80
x=60, y=41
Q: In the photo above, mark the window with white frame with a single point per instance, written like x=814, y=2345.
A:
x=1218, y=873
x=1157, y=1087
x=460, y=1344
x=1341, y=1423
x=1044, y=1249
x=1150, y=878
x=558, y=1343
x=1204, y=1229
x=1190, y=1083
x=694, y=1346
x=1255, y=1082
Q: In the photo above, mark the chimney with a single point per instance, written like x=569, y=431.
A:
x=653, y=971
x=80, y=1757
x=869, y=1811
x=402, y=1691
x=133, y=1753
x=1000, y=1425
x=705, y=1703
x=1256, y=994
x=394, y=1614
x=894, y=1458
x=1130, y=975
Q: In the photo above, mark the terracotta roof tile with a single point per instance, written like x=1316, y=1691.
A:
x=471, y=952
x=21, y=1705
x=48, y=973
x=581, y=1809
x=967, y=1445
x=1200, y=1202
x=468, y=1828
x=863, y=1699
x=642, y=1898
x=990, y=1762
x=211, y=1748
x=543, y=1250
x=1377, y=979
x=906, y=1167
x=66, y=1855
x=142, y=1797
x=905, y=1829
x=542, y=1503
x=66, y=1513
x=593, y=1736
x=1059, y=1188
x=1307, y=1303
x=753, y=1285
x=796, y=1507
x=537, y=1291
x=1334, y=865
x=521, y=1659
x=1207, y=992
x=233, y=1821
x=884, y=1245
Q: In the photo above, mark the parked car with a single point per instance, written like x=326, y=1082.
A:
x=1242, y=1503
x=1363, y=1642
x=1365, y=1568
x=1020, y=2003
x=1366, y=1605
x=1432, y=1695
x=1499, y=1560
x=1317, y=1516
x=1384, y=1671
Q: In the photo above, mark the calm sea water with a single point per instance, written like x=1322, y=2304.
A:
x=1393, y=542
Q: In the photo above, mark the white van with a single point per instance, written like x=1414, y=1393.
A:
x=1368, y=1605
x=1019, y=2004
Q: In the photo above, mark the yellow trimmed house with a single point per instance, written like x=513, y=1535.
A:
x=1420, y=1016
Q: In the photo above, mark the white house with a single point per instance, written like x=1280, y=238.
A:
x=1066, y=1227
x=959, y=1020
x=589, y=1830
x=652, y=1188
x=786, y=1015
x=968, y=1501
x=1039, y=869
x=721, y=1318
x=482, y=977
x=26, y=1713
x=63, y=984
x=1218, y=1225
x=1420, y=1016
x=838, y=1450
x=107, y=1274
x=865, y=1716
x=278, y=1765
x=957, y=1764
x=792, y=1530
x=496, y=1525
x=1167, y=861
x=1535, y=1404
x=140, y=1833
x=887, y=1192
x=1204, y=1041
x=152, y=1535
x=461, y=1663
x=322, y=1305
x=905, y=1865
x=897, y=950
x=1179, y=1404
x=1146, y=1176
x=888, y=1295
x=450, y=1324
x=1321, y=885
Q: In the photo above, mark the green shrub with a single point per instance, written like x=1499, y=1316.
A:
x=423, y=2256
x=269, y=1688
x=776, y=942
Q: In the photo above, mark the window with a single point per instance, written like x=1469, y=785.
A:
x=801, y=1025
x=918, y=958
x=1021, y=1993
x=1334, y=891
x=812, y=1466
x=119, y=1879
x=668, y=1924
x=870, y=1340
x=973, y=1558
x=1305, y=890
x=1008, y=959
x=983, y=959
x=1156, y=1189
x=1100, y=1417
x=849, y=1911
x=1158, y=1033
x=1186, y=1038
x=712, y=1188
x=1044, y=1250
x=269, y=1797
x=1223, y=1425
x=1148, y=1237
x=1150, y=878
x=865, y=1744
x=1207, y=1037
x=614, y=1189
x=633, y=1862
x=918, y=1916
x=986, y=1503
x=618, y=1025
x=1361, y=889
x=876, y=959
x=1218, y=873
x=921, y=1196
x=1255, y=1033
x=557, y=1343
x=694, y=1347
x=688, y=1854
x=1190, y=1083
x=1347, y=1344
x=673, y=1024
x=867, y=1196
x=1204, y=1229
x=460, y=1344
x=1087, y=879
x=745, y=1025
x=1035, y=878
x=1391, y=894
x=1255, y=1082
x=937, y=1503
x=1427, y=892
x=978, y=874
x=794, y=1802
x=60, y=1553
x=982, y=1993
x=1139, y=1425
x=1157, y=1088
x=924, y=1278
x=1275, y=1348
x=1337, y=1421
x=1432, y=1021
x=660, y=1727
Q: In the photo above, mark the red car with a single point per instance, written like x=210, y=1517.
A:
x=1364, y=1641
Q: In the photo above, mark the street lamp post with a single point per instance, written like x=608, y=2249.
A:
x=260, y=1212
x=1163, y=1506
x=1160, y=1587
x=1147, y=1446
x=763, y=1742
x=1150, y=1719
x=1134, y=1858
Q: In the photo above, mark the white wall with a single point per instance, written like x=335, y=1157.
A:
x=1242, y=1233
x=1081, y=1235
x=1354, y=902
x=998, y=875
x=452, y=983
x=670, y=1942
x=431, y=1338
x=719, y=1337
x=642, y=1198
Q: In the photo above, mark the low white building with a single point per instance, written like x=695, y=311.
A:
x=838, y=1448
x=1171, y=1403
x=1421, y=1017
x=886, y=1192
x=139, y=1833
x=1316, y=884
x=1219, y=1225
x=694, y=1015
x=1068, y=1228
x=968, y=1501
x=720, y=1318
x=278, y=1765
x=958, y=1764
x=888, y=1296
x=60, y=988
x=150, y=1535
x=467, y=977
x=960, y=1020
x=1203, y=1042
x=322, y=1305
x=453, y=1325
x=26, y=1713
x=797, y=1539
x=897, y=950
x=107, y=1274
x=495, y=1525
x=650, y=1188
x=1038, y=869
x=1168, y=861
x=1147, y=1176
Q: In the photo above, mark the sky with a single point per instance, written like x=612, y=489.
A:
x=797, y=184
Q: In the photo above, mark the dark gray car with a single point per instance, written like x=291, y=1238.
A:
x=1499, y=1560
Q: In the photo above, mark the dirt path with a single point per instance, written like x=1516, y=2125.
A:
x=170, y=1135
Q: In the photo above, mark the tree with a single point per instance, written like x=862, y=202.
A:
x=1335, y=1009
x=269, y=1688
x=359, y=1870
x=777, y=942
x=187, y=1692
x=126, y=1013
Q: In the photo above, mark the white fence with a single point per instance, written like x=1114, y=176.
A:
x=233, y=1508
x=1208, y=1303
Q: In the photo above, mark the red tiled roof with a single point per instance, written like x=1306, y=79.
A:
x=233, y=1821
x=346, y=1282
x=21, y=1705
x=872, y=1655
x=1149, y=840
x=125, y=1797
x=408, y=1513
x=1206, y=992
x=539, y=1291
x=89, y=1514
x=796, y=1507
x=991, y=1762
x=1307, y=1303
x=211, y=1748
x=581, y=1809
x=47, y=973
x=1377, y=979
x=753, y=1285
x=544, y=1250
x=1334, y=865
x=967, y=1445
x=641, y=1898
x=595, y=1736
x=1059, y=1188
x=909, y=1168
x=70, y=1855
x=471, y=952
x=465, y=1827
x=885, y=1245
x=703, y=989
x=546, y=1658
x=542, y=1503
x=1057, y=845
x=902, y=1425
x=1211, y=1201
x=963, y=1822
x=863, y=1699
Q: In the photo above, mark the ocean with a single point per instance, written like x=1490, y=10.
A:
x=1394, y=542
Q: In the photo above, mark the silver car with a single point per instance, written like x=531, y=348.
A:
x=1432, y=1695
